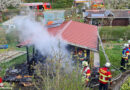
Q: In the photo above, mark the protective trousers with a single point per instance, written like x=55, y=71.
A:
x=129, y=60
x=124, y=63
x=103, y=86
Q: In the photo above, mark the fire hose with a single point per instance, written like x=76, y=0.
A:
x=107, y=60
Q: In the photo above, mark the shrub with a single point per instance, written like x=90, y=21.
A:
x=115, y=32
x=58, y=74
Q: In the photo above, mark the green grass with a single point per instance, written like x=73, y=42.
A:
x=116, y=42
x=13, y=46
x=114, y=56
x=115, y=32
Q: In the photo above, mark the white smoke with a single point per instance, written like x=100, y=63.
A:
x=36, y=32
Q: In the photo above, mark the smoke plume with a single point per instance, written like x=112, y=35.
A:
x=37, y=34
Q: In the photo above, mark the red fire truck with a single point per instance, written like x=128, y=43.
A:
x=37, y=6
x=97, y=4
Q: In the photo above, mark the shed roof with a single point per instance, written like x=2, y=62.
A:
x=78, y=34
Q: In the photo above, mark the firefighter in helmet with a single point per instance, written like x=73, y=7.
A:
x=75, y=55
x=85, y=73
x=85, y=55
x=81, y=55
x=124, y=60
x=104, y=77
x=129, y=53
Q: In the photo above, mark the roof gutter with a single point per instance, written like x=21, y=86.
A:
x=92, y=49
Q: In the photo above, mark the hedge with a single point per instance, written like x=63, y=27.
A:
x=115, y=32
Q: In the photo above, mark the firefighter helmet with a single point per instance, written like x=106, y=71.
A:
x=107, y=64
x=129, y=41
x=125, y=45
x=84, y=63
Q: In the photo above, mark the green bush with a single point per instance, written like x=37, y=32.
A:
x=58, y=80
x=62, y=4
x=115, y=32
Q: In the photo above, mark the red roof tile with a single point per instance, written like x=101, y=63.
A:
x=81, y=34
x=78, y=34
x=54, y=30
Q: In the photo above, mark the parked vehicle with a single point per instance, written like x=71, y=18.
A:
x=37, y=6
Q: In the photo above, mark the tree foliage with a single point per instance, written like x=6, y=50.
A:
x=7, y=3
x=117, y=4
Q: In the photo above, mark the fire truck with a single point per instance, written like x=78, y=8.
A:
x=97, y=4
x=93, y=4
x=37, y=6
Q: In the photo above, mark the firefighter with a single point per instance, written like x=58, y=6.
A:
x=81, y=55
x=85, y=54
x=124, y=62
x=75, y=54
x=129, y=53
x=1, y=84
x=85, y=73
x=124, y=58
x=125, y=53
x=125, y=50
x=105, y=77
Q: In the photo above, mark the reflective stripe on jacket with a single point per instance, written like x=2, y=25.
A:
x=104, y=75
x=86, y=73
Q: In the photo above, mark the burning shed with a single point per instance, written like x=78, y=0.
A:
x=80, y=37
x=77, y=34
x=82, y=44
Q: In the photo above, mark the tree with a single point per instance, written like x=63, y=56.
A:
x=117, y=4
x=6, y=3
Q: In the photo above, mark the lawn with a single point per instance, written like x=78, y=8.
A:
x=114, y=54
x=115, y=33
